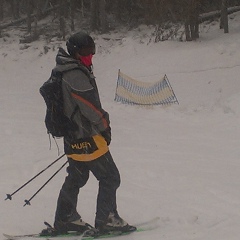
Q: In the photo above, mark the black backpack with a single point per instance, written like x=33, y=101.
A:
x=57, y=123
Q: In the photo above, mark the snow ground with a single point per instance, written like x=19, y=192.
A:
x=180, y=163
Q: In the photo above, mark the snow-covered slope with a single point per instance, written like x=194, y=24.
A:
x=180, y=163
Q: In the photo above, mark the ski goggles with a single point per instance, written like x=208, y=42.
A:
x=87, y=50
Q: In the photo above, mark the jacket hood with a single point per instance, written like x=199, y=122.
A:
x=64, y=61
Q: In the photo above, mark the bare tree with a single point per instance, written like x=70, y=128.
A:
x=15, y=8
x=1, y=10
x=224, y=16
x=191, y=19
x=119, y=8
x=29, y=12
x=102, y=16
x=62, y=25
x=98, y=15
x=37, y=5
x=72, y=13
x=94, y=15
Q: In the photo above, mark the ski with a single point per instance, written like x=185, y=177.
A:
x=109, y=235
x=12, y=237
x=141, y=227
x=38, y=236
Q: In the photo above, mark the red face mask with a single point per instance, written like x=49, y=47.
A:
x=86, y=60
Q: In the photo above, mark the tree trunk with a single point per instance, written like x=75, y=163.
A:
x=119, y=9
x=15, y=8
x=192, y=20
x=29, y=20
x=224, y=16
x=1, y=10
x=36, y=17
x=62, y=19
x=102, y=16
x=94, y=15
x=72, y=13
x=217, y=14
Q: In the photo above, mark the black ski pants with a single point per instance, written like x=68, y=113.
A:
x=105, y=171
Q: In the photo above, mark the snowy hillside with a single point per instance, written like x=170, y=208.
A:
x=181, y=163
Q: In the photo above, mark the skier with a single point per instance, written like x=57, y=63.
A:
x=87, y=145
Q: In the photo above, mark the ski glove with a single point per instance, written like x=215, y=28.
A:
x=107, y=135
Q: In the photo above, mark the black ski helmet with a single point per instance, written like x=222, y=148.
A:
x=79, y=41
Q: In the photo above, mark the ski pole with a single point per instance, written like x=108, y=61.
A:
x=27, y=202
x=9, y=196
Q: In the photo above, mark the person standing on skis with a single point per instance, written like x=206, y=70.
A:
x=87, y=146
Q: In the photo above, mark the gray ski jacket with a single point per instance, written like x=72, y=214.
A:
x=82, y=104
